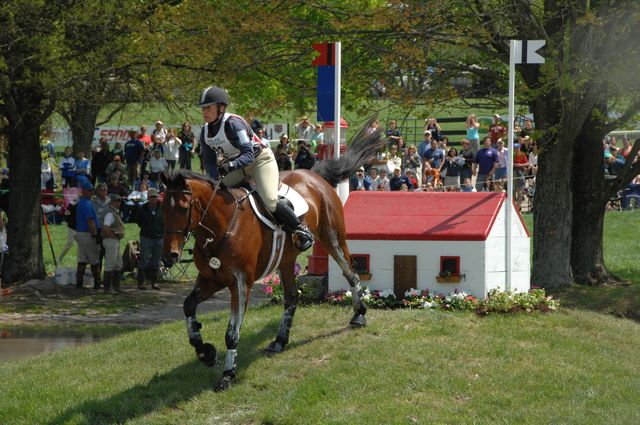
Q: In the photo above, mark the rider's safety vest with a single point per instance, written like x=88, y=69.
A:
x=221, y=144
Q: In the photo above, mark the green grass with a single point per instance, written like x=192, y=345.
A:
x=407, y=366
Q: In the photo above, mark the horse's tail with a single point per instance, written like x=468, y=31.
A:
x=362, y=148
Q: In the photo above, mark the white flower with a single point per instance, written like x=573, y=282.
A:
x=428, y=304
x=347, y=294
x=387, y=293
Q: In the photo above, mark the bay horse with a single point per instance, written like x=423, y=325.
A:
x=232, y=246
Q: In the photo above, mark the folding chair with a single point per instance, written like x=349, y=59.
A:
x=183, y=269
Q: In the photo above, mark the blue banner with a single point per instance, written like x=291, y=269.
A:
x=326, y=93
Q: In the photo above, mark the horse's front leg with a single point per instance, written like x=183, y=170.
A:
x=239, y=299
x=206, y=352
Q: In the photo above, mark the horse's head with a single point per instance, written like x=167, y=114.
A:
x=177, y=208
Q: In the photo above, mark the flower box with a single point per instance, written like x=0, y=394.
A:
x=449, y=279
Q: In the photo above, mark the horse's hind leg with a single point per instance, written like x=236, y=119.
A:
x=340, y=253
x=239, y=294
x=202, y=290
x=287, y=278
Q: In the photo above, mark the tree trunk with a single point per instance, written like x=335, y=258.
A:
x=24, y=229
x=552, y=205
x=590, y=198
x=82, y=122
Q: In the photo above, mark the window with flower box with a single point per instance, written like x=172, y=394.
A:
x=360, y=264
x=449, y=269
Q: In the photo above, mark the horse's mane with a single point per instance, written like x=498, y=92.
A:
x=174, y=176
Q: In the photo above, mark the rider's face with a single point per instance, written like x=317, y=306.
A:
x=210, y=113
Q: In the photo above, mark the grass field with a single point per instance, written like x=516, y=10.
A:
x=407, y=366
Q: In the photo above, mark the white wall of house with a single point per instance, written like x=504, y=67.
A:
x=481, y=262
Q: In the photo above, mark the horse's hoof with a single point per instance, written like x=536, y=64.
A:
x=223, y=383
x=358, y=321
x=207, y=354
x=274, y=348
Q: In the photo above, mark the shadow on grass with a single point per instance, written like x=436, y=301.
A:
x=167, y=391
x=620, y=300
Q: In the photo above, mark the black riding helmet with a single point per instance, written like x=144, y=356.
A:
x=213, y=95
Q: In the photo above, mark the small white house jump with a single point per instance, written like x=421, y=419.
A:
x=439, y=241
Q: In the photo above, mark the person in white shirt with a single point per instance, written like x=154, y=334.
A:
x=172, y=148
x=157, y=165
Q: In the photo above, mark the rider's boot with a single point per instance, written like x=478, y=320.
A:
x=95, y=272
x=285, y=214
x=140, y=279
x=80, y=275
x=115, y=281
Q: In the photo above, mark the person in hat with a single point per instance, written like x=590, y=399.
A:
x=360, y=181
x=303, y=129
x=498, y=130
x=232, y=151
x=112, y=232
x=87, y=237
x=151, y=223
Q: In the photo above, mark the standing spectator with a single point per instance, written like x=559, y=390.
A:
x=116, y=166
x=112, y=232
x=433, y=157
x=393, y=132
x=469, y=157
x=503, y=158
x=393, y=159
x=304, y=159
x=486, y=164
x=188, y=146
x=452, y=166
x=473, y=136
x=497, y=130
x=398, y=181
x=532, y=171
x=144, y=137
x=83, y=167
x=47, y=146
x=133, y=156
x=316, y=137
x=118, y=149
x=171, y=149
x=87, y=237
x=100, y=161
x=625, y=151
x=303, y=129
x=283, y=160
x=151, y=223
x=47, y=180
x=101, y=203
x=360, y=181
x=528, y=128
x=68, y=168
x=425, y=144
x=432, y=125
x=157, y=165
x=158, y=136
x=70, y=217
x=520, y=166
x=255, y=123
x=411, y=161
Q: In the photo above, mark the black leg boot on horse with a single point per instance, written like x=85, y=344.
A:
x=285, y=214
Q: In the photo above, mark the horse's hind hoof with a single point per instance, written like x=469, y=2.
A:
x=207, y=354
x=223, y=384
x=358, y=321
x=274, y=348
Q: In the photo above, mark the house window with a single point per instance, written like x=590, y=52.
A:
x=449, y=266
x=360, y=263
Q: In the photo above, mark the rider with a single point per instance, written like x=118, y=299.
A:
x=243, y=156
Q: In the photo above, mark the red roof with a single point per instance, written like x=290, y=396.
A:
x=430, y=216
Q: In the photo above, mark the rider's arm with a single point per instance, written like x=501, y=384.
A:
x=237, y=134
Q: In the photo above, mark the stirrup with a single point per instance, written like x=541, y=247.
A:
x=304, y=239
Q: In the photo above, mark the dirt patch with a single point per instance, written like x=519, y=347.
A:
x=43, y=301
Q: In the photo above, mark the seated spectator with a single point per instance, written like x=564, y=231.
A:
x=433, y=157
x=411, y=161
x=134, y=200
x=118, y=149
x=467, y=186
x=381, y=182
x=144, y=179
x=412, y=178
x=283, y=160
x=360, y=181
x=396, y=182
x=157, y=165
x=115, y=166
x=393, y=159
x=116, y=186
